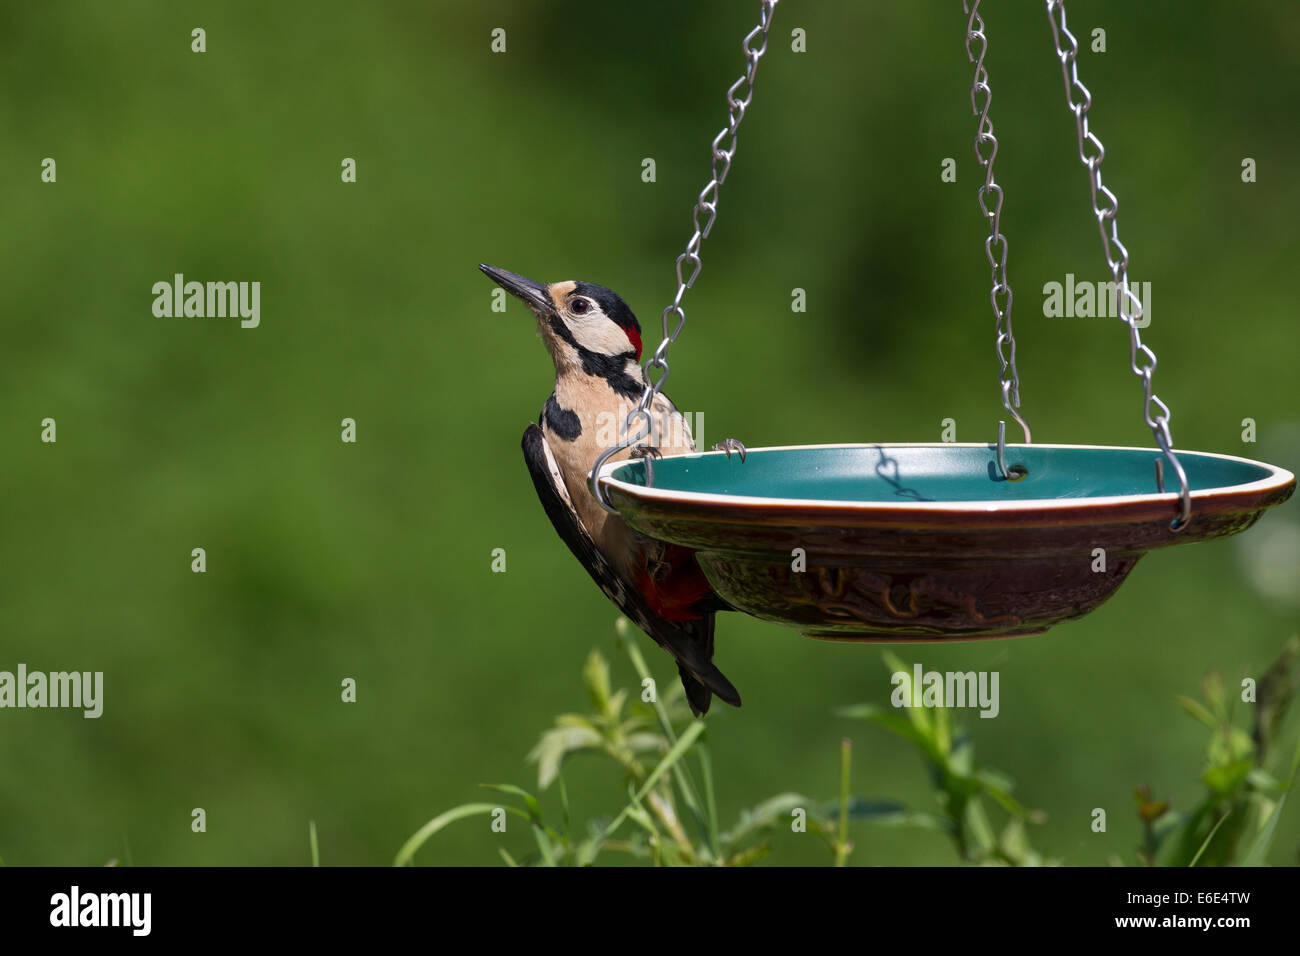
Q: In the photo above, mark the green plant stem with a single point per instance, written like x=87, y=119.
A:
x=710, y=801
x=674, y=754
x=842, y=846
x=623, y=628
x=670, y=822
x=315, y=846
x=1204, y=844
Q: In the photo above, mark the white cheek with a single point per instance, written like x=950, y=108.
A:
x=599, y=335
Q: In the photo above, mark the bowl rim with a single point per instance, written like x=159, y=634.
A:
x=1276, y=480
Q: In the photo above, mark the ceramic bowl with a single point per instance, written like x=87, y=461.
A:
x=901, y=542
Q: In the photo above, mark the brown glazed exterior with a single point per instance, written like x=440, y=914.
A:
x=883, y=573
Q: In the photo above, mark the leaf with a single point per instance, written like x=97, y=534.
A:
x=544, y=845
x=564, y=806
x=646, y=740
x=1212, y=687
x=420, y=836
x=558, y=743
x=1262, y=780
x=1209, y=838
x=776, y=811
x=1164, y=825
x=670, y=759
x=1258, y=852
x=595, y=675
x=576, y=720
x=1014, y=841
x=1228, y=745
x=534, y=808
x=616, y=702
x=1225, y=780
x=770, y=813
x=750, y=856
x=639, y=815
x=1265, y=808
x=891, y=814
x=961, y=754
x=510, y=860
x=890, y=720
x=587, y=851
x=710, y=798
x=666, y=706
x=1197, y=710
x=1193, y=824
x=918, y=717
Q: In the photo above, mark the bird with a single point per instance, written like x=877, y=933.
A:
x=594, y=341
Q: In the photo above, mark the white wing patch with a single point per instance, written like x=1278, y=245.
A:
x=557, y=478
x=610, y=583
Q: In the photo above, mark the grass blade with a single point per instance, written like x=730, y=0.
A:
x=842, y=847
x=710, y=799
x=670, y=759
x=1259, y=849
x=1208, y=838
x=420, y=836
x=682, y=775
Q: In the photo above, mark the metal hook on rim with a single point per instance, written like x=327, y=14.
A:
x=1184, y=498
x=593, y=477
x=1014, y=472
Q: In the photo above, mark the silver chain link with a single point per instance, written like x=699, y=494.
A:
x=1142, y=360
x=995, y=247
x=706, y=205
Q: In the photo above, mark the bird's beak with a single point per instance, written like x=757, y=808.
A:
x=533, y=293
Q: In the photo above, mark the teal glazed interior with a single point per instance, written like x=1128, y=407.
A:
x=940, y=473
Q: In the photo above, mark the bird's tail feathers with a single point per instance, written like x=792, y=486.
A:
x=701, y=683
x=697, y=695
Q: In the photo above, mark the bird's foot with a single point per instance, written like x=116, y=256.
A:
x=648, y=454
x=729, y=445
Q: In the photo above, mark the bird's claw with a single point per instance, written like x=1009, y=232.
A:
x=729, y=445
x=648, y=454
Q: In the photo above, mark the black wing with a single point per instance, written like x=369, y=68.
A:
x=690, y=642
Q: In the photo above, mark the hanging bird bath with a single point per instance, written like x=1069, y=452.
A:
x=896, y=542
x=908, y=542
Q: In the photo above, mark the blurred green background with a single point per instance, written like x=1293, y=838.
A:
x=372, y=561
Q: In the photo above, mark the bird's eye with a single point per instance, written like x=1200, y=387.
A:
x=579, y=306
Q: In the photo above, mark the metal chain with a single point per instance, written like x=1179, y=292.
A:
x=995, y=247
x=706, y=204
x=1141, y=359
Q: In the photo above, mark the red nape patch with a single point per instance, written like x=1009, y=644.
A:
x=634, y=337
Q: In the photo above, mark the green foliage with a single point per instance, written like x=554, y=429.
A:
x=669, y=819
x=653, y=745
x=1236, y=820
x=960, y=785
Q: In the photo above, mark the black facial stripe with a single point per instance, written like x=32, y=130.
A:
x=560, y=421
x=609, y=303
x=562, y=330
x=612, y=368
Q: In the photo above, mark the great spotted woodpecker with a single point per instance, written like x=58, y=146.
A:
x=595, y=343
